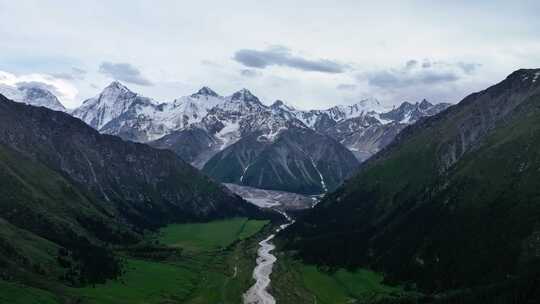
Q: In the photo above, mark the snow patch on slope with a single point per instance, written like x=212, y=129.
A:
x=536, y=75
x=323, y=184
x=229, y=134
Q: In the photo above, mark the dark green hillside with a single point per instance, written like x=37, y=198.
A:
x=43, y=214
x=70, y=197
x=147, y=186
x=454, y=202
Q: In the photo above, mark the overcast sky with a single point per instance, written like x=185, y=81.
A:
x=312, y=54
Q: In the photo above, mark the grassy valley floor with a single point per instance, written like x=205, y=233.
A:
x=193, y=263
x=15, y=293
x=295, y=282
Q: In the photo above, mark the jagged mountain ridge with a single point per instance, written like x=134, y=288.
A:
x=199, y=126
x=368, y=133
x=118, y=111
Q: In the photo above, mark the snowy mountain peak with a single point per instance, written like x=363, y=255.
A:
x=363, y=107
x=279, y=104
x=114, y=101
x=32, y=94
x=424, y=104
x=245, y=95
x=410, y=112
x=404, y=105
x=205, y=91
x=116, y=86
x=112, y=93
x=369, y=105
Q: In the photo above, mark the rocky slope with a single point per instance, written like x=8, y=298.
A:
x=451, y=203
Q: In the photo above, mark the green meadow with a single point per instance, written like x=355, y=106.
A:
x=214, y=266
x=212, y=263
x=200, y=237
x=14, y=293
x=295, y=282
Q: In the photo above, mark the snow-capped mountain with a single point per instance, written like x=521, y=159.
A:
x=364, y=127
x=408, y=112
x=320, y=119
x=119, y=111
x=226, y=122
x=187, y=110
x=368, y=133
x=32, y=95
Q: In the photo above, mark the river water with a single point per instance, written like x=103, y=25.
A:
x=258, y=293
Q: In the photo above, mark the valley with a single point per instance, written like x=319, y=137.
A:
x=296, y=282
x=269, y=152
x=226, y=243
x=126, y=199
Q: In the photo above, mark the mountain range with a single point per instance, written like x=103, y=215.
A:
x=451, y=206
x=238, y=139
x=442, y=200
